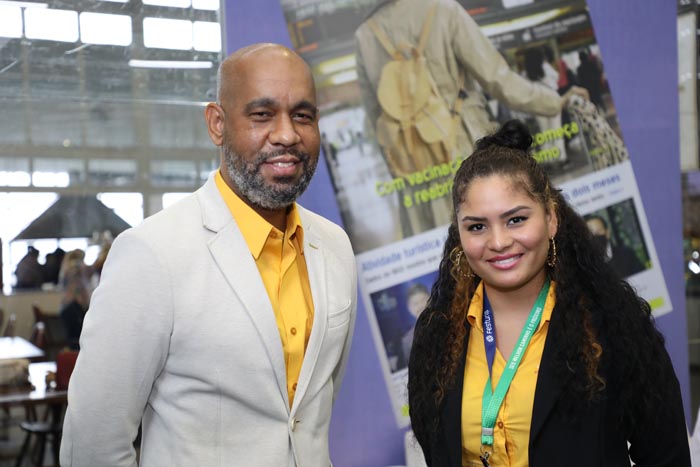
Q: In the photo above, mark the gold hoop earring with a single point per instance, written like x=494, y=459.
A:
x=460, y=264
x=552, y=254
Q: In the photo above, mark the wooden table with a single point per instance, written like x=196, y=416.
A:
x=37, y=393
x=31, y=398
x=18, y=347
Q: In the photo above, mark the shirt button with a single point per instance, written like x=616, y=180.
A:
x=500, y=425
x=293, y=331
x=294, y=387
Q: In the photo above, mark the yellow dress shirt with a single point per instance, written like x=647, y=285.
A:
x=511, y=435
x=279, y=257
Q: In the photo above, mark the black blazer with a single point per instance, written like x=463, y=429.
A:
x=591, y=441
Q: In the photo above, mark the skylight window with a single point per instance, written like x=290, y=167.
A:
x=10, y=21
x=206, y=36
x=99, y=28
x=515, y=3
x=51, y=179
x=52, y=25
x=167, y=33
x=15, y=178
x=205, y=4
x=172, y=3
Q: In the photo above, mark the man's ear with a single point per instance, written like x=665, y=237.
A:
x=214, y=116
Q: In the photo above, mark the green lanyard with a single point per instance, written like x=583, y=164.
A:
x=492, y=401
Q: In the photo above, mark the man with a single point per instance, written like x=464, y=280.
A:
x=622, y=258
x=223, y=323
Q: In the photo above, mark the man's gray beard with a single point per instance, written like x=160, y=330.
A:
x=248, y=179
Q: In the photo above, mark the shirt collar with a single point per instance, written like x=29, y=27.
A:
x=254, y=228
x=476, y=307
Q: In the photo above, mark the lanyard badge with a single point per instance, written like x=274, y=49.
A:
x=484, y=457
x=492, y=399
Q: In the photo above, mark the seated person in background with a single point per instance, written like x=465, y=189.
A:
x=75, y=279
x=30, y=274
x=52, y=266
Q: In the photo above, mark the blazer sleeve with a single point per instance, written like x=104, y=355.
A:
x=124, y=345
x=663, y=441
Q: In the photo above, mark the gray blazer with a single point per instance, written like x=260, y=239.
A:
x=181, y=337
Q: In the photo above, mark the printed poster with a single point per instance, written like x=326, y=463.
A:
x=551, y=43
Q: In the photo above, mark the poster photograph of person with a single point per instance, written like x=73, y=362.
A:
x=397, y=308
x=406, y=87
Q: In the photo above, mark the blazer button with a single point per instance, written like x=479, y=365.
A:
x=294, y=424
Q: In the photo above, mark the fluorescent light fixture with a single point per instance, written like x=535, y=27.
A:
x=206, y=36
x=520, y=23
x=15, y=178
x=100, y=28
x=169, y=64
x=23, y=4
x=172, y=3
x=514, y=3
x=344, y=77
x=52, y=25
x=165, y=33
x=50, y=179
x=115, y=1
x=10, y=21
x=205, y=4
x=337, y=64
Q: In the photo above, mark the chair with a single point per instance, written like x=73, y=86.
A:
x=38, y=335
x=39, y=315
x=10, y=327
x=65, y=362
x=54, y=329
x=51, y=428
x=9, y=330
x=42, y=430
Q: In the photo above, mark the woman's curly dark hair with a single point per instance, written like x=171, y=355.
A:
x=601, y=319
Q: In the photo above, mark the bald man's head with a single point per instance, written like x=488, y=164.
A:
x=229, y=70
x=266, y=124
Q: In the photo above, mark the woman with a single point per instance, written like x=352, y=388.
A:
x=75, y=277
x=521, y=277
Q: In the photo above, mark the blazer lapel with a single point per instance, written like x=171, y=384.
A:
x=548, y=384
x=546, y=394
x=315, y=256
x=233, y=258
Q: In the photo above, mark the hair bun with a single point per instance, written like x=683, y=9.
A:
x=513, y=134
